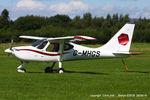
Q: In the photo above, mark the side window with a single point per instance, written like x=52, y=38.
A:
x=50, y=48
x=67, y=46
x=54, y=47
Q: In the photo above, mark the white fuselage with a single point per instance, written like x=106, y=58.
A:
x=77, y=52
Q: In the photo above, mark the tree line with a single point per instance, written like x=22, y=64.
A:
x=62, y=25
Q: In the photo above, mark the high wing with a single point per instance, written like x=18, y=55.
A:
x=61, y=39
x=71, y=38
x=32, y=37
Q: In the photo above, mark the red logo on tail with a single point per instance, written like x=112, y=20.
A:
x=123, y=39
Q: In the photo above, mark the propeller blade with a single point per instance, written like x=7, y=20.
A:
x=10, y=50
x=11, y=44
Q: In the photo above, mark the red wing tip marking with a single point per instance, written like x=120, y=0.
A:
x=84, y=38
x=130, y=23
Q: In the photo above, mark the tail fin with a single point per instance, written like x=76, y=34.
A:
x=121, y=41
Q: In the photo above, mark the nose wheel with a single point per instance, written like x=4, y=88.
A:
x=20, y=69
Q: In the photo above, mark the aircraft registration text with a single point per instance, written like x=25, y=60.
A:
x=86, y=53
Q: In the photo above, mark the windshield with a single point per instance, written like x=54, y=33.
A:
x=37, y=42
x=40, y=44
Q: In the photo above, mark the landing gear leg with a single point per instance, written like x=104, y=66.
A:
x=60, y=69
x=50, y=69
x=20, y=69
x=125, y=65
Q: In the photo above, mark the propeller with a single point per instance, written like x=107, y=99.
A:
x=10, y=50
x=11, y=44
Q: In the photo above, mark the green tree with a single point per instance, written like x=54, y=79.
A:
x=29, y=23
x=4, y=18
x=97, y=22
x=126, y=18
x=115, y=19
x=76, y=22
x=59, y=20
x=87, y=18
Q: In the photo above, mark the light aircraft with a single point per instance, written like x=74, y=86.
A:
x=63, y=49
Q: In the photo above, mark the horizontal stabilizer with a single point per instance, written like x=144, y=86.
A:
x=128, y=53
x=136, y=53
x=122, y=53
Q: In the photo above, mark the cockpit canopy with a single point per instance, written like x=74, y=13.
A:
x=52, y=47
x=37, y=42
x=40, y=44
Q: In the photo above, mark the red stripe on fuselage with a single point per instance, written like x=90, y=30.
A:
x=39, y=52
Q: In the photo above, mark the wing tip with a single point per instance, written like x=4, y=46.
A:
x=130, y=23
x=85, y=38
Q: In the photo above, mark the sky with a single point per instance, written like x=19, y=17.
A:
x=47, y=8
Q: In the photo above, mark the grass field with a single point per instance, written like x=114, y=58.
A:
x=103, y=79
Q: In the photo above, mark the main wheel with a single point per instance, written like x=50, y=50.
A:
x=60, y=70
x=48, y=70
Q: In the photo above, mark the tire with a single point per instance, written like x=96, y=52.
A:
x=21, y=70
x=60, y=70
x=48, y=70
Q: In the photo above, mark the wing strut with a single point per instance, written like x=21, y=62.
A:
x=125, y=65
x=61, y=50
